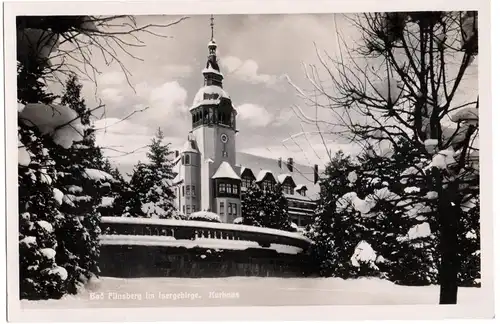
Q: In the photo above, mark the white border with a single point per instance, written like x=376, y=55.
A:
x=192, y=7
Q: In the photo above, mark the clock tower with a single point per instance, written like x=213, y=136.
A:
x=214, y=130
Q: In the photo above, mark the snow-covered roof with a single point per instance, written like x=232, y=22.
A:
x=225, y=171
x=245, y=169
x=303, y=174
x=210, y=69
x=190, y=147
x=300, y=187
x=283, y=177
x=262, y=174
x=199, y=98
x=177, y=179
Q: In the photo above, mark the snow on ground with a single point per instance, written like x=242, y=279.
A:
x=250, y=291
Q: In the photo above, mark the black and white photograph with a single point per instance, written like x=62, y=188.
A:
x=238, y=160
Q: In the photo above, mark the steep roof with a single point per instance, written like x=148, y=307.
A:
x=225, y=171
x=213, y=91
x=303, y=174
x=190, y=147
x=262, y=174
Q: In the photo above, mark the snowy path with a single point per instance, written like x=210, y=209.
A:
x=247, y=291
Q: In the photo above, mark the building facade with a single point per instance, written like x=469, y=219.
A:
x=211, y=175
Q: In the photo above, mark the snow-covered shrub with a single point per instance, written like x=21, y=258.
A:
x=204, y=216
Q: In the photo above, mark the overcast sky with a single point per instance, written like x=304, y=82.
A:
x=255, y=53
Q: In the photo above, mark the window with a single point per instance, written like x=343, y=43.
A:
x=224, y=153
x=232, y=209
x=221, y=208
x=182, y=191
x=247, y=182
x=183, y=209
x=188, y=190
x=287, y=189
x=187, y=159
x=228, y=188
x=267, y=185
x=193, y=191
x=188, y=209
x=222, y=187
x=194, y=208
x=235, y=189
x=302, y=192
x=183, y=160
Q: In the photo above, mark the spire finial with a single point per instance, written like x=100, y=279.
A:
x=212, y=25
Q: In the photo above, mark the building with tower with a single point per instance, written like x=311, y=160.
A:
x=211, y=175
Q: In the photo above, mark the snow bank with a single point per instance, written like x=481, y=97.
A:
x=61, y=122
x=278, y=292
x=238, y=220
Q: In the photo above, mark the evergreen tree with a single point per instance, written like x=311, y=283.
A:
x=82, y=183
x=251, y=206
x=113, y=202
x=334, y=232
x=40, y=277
x=266, y=208
x=151, y=191
x=275, y=208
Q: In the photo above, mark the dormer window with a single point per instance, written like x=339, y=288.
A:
x=302, y=192
x=267, y=185
x=287, y=189
x=247, y=182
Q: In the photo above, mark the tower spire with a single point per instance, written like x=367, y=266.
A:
x=212, y=26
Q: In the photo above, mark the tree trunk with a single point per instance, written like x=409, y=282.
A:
x=448, y=215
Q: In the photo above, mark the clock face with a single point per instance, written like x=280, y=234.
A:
x=224, y=138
